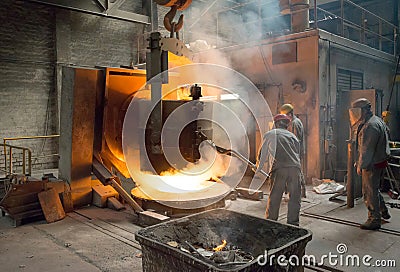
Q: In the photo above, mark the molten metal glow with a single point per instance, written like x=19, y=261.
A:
x=185, y=182
x=221, y=246
x=195, y=177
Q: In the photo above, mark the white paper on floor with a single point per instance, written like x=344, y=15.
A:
x=328, y=187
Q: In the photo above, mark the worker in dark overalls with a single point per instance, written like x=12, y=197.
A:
x=297, y=128
x=372, y=153
x=280, y=156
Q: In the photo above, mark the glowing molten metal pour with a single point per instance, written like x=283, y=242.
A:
x=185, y=182
x=221, y=246
x=195, y=186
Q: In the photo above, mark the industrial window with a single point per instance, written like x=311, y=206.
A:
x=349, y=80
x=284, y=53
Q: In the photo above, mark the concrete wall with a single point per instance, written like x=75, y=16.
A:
x=36, y=41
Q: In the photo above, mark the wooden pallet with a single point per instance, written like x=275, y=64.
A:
x=21, y=203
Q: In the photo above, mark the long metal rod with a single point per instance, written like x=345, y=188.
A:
x=95, y=225
x=315, y=14
x=30, y=162
x=105, y=176
x=350, y=167
x=11, y=163
x=30, y=137
x=5, y=157
x=23, y=162
x=345, y=222
x=394, y=81
x=125, y=195
x=236, y=154
x=342, y=16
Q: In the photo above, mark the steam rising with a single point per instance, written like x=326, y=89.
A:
x=224, y=23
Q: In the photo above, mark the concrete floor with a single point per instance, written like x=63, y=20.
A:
x=95, y=239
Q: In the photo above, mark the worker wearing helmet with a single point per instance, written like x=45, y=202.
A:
x=372, y=154
x=280, y=156
x=297, y=128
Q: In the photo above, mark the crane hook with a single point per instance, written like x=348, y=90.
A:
x=173, y=27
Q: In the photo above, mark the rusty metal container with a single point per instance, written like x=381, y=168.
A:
x=251, y=234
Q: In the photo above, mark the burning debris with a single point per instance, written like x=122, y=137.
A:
x=221, y=246
x=223, y=254
x=218, y=240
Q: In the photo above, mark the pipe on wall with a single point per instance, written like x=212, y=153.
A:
x=298, y=9
x=300, y=20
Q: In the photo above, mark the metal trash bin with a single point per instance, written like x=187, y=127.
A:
x=251, y=234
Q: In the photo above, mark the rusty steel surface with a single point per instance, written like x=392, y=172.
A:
x=121, y=85
x=78, y=102
x=277, y=82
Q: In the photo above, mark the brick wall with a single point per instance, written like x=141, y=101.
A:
x=90, y=40
x=36, y=41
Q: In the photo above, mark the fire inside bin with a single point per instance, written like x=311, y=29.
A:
x=220, y=240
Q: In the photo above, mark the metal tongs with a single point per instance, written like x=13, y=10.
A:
x=236, y=154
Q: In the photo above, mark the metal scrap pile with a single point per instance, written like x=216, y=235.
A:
x=224, y=254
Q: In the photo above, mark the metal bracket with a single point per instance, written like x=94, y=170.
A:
x=176, y=47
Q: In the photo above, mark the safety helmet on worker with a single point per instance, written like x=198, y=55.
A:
x=281, y=117
x=286, y=108
x=361, y=103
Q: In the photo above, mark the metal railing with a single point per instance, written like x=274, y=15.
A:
x=385, y=31
x=26, y=153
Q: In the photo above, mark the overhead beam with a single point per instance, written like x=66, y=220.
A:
x=96, y=7
x=152, y=12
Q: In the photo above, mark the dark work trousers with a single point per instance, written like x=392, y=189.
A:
x=373, y=199
x=303, y=170
x=280, y=179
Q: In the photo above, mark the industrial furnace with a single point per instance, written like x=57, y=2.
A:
x=176, y=168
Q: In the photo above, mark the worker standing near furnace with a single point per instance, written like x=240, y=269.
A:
x=280, y=154
x=297, y=128
x=372, y=153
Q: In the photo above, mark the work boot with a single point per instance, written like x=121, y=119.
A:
x=303, y=191
x=371, y=225
x=386, y=215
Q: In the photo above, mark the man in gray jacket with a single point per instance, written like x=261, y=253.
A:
x=373, y=151
x=297, y=128
x=280, y=155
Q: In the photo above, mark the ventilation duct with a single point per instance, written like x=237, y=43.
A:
x=300, y=15
x=284, y=6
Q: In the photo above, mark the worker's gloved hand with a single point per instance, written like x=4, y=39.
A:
x=257, y=181
x=359, y=171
